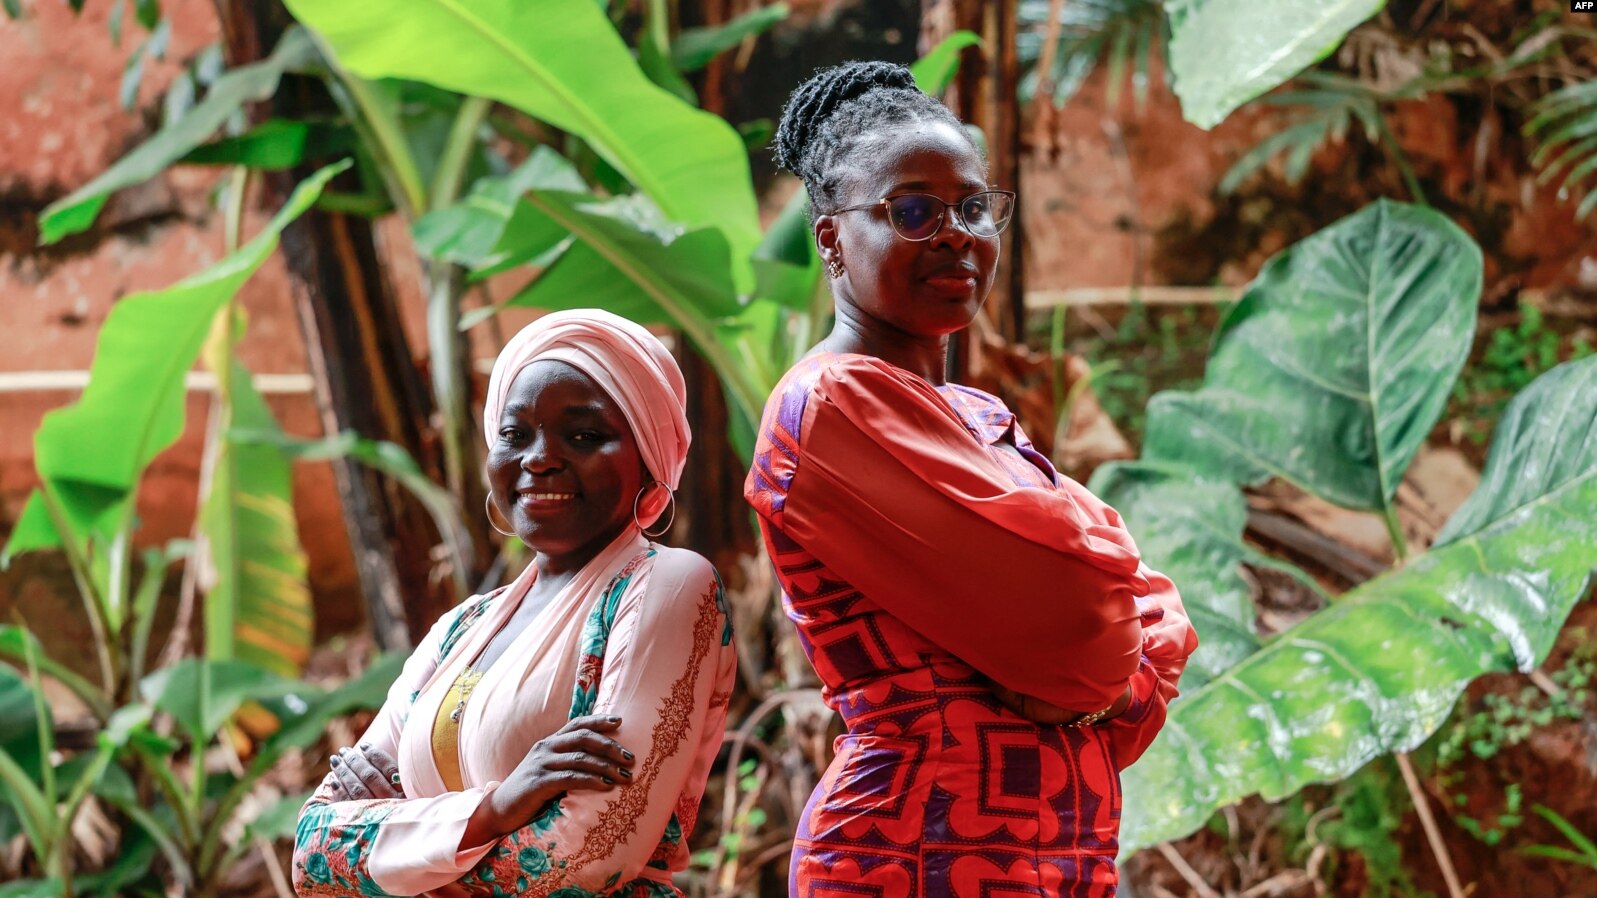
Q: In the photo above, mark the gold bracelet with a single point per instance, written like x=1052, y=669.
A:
x=1087, y=720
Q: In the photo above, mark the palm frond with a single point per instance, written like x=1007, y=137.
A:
x=1563, y=125
x=1330, y=105
x=1123, y=34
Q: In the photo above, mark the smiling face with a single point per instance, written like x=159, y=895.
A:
x=925, y=289
x=565, y=467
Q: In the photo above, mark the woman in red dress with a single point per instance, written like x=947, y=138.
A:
x=985, y=626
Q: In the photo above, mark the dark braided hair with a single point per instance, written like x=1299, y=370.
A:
x=827, y=115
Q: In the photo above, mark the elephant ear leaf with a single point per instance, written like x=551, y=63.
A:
x=1337, y=361
x=1224, y=53
x=1380, y=670
x=1190, y=530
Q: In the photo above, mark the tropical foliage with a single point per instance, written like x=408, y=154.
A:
x=552, y=142
x=1329, y=373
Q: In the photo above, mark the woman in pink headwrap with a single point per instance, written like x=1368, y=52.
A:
x=552, y=737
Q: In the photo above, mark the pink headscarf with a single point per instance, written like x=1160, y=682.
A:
x=633, y=368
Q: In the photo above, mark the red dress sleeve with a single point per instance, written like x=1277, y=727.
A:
x=1036, y=589
x=1167, y=641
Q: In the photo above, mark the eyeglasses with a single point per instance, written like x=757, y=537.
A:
x=919, y=216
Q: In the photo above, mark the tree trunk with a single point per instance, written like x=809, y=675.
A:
x=366, y=381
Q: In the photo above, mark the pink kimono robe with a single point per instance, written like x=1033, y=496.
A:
x=666, y=668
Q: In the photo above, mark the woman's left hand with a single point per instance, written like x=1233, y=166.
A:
x=364, y=773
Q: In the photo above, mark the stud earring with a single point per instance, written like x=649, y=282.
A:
x=834, y=269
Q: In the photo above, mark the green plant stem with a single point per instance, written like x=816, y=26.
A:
x=46, y=729
x=1394, y=530
x=238, y=184
x=387, y=139
x=1056, y=330
x=119, y=586
x=166, y=781
x=737, y=380
x=93, y=604
x=1389, y=142
x=452, y=162
x=451, y=375
x=449, y=370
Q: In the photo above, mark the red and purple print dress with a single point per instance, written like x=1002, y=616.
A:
x=926, y=552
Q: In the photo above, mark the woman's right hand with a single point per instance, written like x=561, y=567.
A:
x=580, y=755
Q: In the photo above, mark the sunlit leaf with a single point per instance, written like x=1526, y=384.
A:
x=562, y=62
x=1190, y=530
x=252, y=568
x=1381, y=669
x=935, y=71
x=201, y=694
x=1336, y=362
x=138, y=394
x=1224, y=53
x=492, y=227
x=695, y=47
x=230, y=93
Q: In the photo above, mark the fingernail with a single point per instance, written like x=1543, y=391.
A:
x=334, y=760
x=626, y=754
x=365, y=746
x=613, y=719
x=608, y=781
x=626, y=773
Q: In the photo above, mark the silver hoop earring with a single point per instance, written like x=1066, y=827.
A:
x=488, y=506
x=669, y=521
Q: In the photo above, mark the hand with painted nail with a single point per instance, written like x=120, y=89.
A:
x=365, y=772
x=580, y=755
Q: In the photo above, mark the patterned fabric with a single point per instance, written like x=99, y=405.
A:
x=586, y=844
x=937, y=789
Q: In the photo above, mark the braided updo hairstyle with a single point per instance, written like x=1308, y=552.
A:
x=827, y=116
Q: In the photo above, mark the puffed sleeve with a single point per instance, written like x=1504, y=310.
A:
x=1167, y=641
x=1037, y=589
x=668, y=672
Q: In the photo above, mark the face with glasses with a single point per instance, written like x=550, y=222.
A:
x=916, y=232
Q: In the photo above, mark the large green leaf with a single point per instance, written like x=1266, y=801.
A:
x=1381, y=669
x=624, y=261
x=201, y=694
x=1190, y=530
x=492, y=227
x=1544, y=447
x=91, y=454
x=305, y=721
x=1336, y=362
x=934, y=71
x=1224, y=53
x=16, y=643
x=21, y=770
x=695, y=47
x=257, y=601
x=19, y=719
x=1564, y=126
x=390, y=459
x=230, y=93
x=559, y=61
